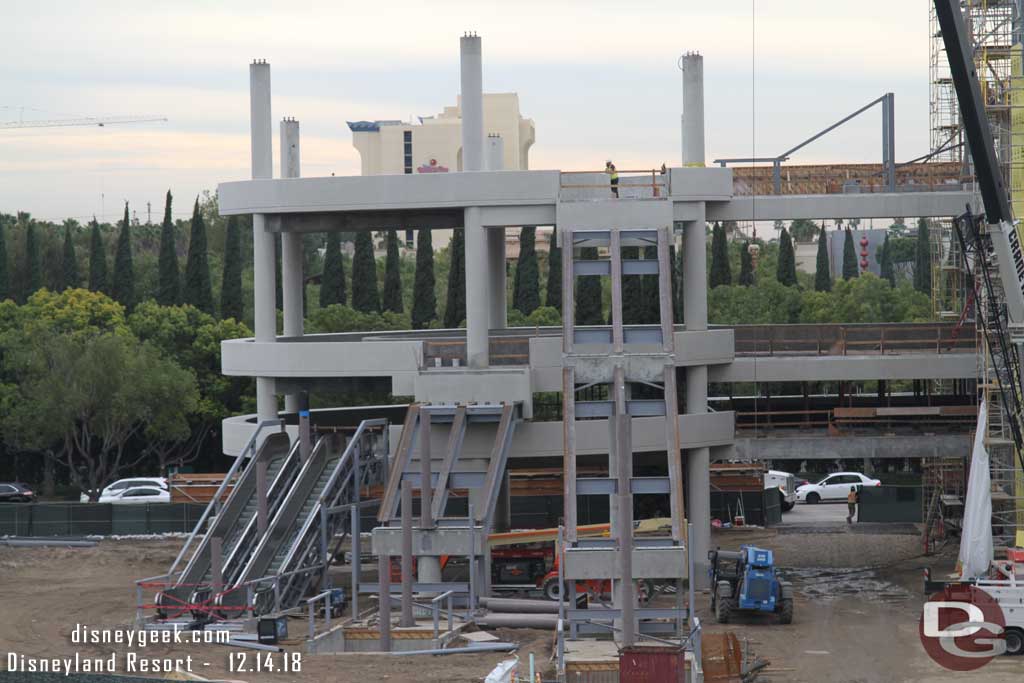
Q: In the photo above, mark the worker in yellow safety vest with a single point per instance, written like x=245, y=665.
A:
x=613, y=175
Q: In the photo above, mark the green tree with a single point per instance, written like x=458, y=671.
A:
x=34, y=275
x=554, y=293
x=721, y=273
x=633, y=309
x=393, y=275
x=5, y=278
x=650, y=312
x=91, y=397
x=198, y=291
x=923, y=259
x=364, y=275
x=424, y=299
x=822, y=270
x=802, y=230
x=850, y=269
x=455, y=306
x=677, y=288
x=231, y=303
x=69, y=261
x=97, y=259
x=167, y=292
x=746, y=266
x=785, y=269
x=885, y=261
x=332, y=281
x=123, y=288
x=526, y=292
x=588, y=293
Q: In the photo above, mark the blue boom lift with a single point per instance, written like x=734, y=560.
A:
x=747, y=581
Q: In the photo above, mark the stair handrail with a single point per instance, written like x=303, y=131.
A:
x=215, y=501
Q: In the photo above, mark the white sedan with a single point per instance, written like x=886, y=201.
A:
x=834, y=487
x=121, y=485
x=137, y=495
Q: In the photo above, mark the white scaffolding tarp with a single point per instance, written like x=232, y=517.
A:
x=976, y=541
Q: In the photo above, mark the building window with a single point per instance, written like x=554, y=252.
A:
x=407, y=150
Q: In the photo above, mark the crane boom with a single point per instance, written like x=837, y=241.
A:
x=84, y=121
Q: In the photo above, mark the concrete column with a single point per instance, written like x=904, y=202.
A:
x=495, y=153
x=496, y=275
x=698, y=484
x=478, y=299
x=292, y=277
x=264, y=261
x=471, y=62
x=693, y=109
x=698, y=480
x=495, y=158
x=478, y=291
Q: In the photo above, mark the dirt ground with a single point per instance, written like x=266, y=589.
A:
x=858, y=598
x=858, y=601
x=46, y=592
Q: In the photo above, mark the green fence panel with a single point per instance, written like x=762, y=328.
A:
x=50, y=519
x=129, y=520
x=890, y=504
x=89, y=519
x=15, y=519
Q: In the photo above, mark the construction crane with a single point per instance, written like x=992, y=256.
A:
x=100, y=121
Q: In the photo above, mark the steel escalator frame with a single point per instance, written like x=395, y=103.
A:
x=241, y=492
x=304, y=550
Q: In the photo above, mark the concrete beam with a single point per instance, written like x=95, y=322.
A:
x=818, y=207
x=852, y=447
x=834, y=368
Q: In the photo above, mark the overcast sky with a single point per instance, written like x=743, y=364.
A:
x=599, y=79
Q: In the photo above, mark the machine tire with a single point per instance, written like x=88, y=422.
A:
x=723, y=610
x=1014, y=641
x=786, y=611
x=813, y=498
x=551, y=590
x=786, y=507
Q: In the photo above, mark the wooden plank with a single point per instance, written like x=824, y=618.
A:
x=674, y=453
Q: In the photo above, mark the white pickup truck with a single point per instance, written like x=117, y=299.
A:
x=785, y=482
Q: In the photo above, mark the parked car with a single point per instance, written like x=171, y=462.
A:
x=834, y=487
x=138, y=495
x=122, y=485
x=785, y=482
x=16, y=492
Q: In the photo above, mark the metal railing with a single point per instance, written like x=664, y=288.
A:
x=857, y=339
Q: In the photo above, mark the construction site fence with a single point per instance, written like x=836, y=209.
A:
x=890, y=504
x=97, y=519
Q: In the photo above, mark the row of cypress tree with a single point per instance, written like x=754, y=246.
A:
x=786, y=265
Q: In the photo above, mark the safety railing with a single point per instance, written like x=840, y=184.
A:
x=434, y=607
x=844, y=340
x=632, y=184
x=869, y=419
x=845, y=179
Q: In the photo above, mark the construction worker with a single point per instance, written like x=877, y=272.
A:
x=851, y=503
x=613, y=175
